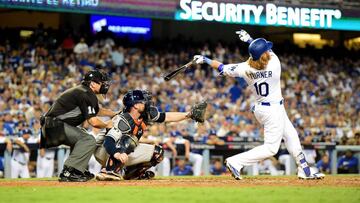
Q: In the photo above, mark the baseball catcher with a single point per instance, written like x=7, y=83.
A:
x=119, y=150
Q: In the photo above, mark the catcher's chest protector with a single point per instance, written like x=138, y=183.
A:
x=129, y=126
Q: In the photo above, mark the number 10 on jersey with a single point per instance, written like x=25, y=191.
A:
x=262, y=89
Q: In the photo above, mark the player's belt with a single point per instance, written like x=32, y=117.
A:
x=268, y=103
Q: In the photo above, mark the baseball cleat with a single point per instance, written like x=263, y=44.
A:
x=70, y=174
x=89, y=175
x=234, y=173
x=108, y=176
x=147, y=175
x=314, y=176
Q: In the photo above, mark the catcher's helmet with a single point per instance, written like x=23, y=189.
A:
x=258, y=47
x=133, y=97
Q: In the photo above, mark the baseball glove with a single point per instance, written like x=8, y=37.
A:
x=197, y=112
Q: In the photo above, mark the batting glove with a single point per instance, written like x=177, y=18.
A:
x=244, y=36
x=199, y=59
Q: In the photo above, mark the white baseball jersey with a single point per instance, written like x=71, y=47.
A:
x=269, y=111
x=265, y=84
x=20, y=155
x=20, y=159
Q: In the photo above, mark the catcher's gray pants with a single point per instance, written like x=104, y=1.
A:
x=82, y=144
x=142, y=154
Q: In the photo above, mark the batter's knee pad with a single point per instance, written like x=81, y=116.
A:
x=158, y=155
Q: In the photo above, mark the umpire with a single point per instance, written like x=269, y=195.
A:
x=71, y=109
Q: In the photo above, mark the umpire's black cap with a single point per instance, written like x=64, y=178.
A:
x=96, y=76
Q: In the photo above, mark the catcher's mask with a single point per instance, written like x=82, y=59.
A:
x=133, y=97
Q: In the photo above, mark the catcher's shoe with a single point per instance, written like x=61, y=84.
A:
x=108, y=176
x=147, y=175
x=234, y=173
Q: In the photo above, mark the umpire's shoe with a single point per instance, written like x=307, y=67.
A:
x=89, y=175
x=234, y=173
x=70, y=174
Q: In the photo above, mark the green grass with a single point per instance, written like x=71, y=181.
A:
x=163, y=194
x=179, y=195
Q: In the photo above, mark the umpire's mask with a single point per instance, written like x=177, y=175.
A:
x=98, y=77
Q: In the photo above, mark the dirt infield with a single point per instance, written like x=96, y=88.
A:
x=222, y=181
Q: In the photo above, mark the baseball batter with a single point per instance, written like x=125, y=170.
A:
x=119, y=150
x=262, y=73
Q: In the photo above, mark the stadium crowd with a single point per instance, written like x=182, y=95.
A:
x=322, y=93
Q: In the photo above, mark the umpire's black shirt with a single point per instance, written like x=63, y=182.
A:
x=75, y=105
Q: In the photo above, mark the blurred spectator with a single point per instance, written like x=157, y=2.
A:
x=118, y=56
x=324, y=164
x=8, y=147
x=267, y=166
x=81, y=47
x=217, y=168
x=45, y=158
x=235, y=92
x=21, y=156
x=68, y=43
x=170, y=151
x=182, y=169
x=357, y=138
x=213, y=139
x=284, y=158
x=192, y=155
x=348, y=163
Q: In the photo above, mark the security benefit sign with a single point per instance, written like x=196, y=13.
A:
x=269, y=14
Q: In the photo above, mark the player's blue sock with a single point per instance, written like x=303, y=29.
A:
x=303, y=163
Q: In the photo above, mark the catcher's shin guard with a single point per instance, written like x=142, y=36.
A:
x=139, y=171
x=158, y=155
x=136, y=171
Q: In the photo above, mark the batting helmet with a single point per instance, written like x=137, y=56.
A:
x=133, y=97
x=258, y=47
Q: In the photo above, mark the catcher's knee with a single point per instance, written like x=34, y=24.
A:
x=158, y=155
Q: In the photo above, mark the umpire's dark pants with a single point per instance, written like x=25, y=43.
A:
x=82, y=144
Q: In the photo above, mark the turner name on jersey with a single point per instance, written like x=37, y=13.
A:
x=257, y=75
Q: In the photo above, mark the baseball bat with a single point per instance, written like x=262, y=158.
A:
x=173, y=73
